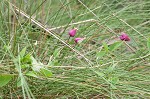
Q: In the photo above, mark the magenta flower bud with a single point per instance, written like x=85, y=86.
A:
x=72, y=32
x=78, y=40
x=124, y=37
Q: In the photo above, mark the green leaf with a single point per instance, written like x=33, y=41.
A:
x=32, y=74
x=27, y=59
x=33, y=60
x=46, y=72
x=114, y=80
x=101, y=54
x=114, y=46
x=24, y=66
x=4, y=79
x=105, y=47
x=148, y=44
x=22, y=53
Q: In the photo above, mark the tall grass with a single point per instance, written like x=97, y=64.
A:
x=34, y=36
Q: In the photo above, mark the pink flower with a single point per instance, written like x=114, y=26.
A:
x=78, y=40
x=124, y=37
x=72, y=32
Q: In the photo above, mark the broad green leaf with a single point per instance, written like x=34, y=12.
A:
x=5, y=79
x=101, y=54
x=22, y=53
x=24, y=66
x=31, y=73
x=26, y=59
x=36, y=66
x=33, y=60
x=46, y=72
x=114, y=46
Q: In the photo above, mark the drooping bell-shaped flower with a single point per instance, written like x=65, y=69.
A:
x=72, y=32
x=124, y=37
x=78, y=40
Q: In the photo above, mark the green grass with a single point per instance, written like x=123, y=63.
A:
x=37, y=63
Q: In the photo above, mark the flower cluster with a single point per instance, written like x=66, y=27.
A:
x=72, y=33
